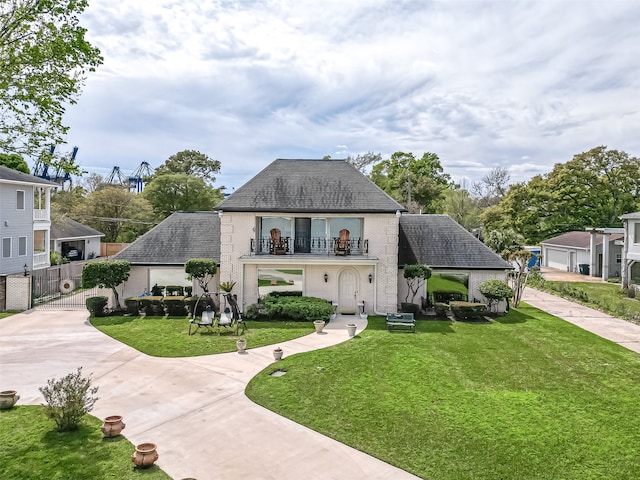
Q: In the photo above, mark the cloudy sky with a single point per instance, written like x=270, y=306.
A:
x=516, y=84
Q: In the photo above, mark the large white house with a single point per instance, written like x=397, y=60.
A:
x=317, y=226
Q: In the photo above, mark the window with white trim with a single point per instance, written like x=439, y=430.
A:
x=22, y=246
x=6, y=247
x=636, y=232
x=618, y=258
x=19, y=199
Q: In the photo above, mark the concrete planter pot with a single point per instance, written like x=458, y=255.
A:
x=241, y=343
x=318, y=325
x=277, y=354
x=145, y=455
x=351, y=329
x=8, y=398
x=112, y=426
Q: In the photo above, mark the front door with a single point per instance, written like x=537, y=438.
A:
x=347, y=291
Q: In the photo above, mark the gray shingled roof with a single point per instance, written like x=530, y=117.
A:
x=9, y=175
x=176, y=239
x=579, y=239
x=440, y=242
x=318, y=186
x=69, y=228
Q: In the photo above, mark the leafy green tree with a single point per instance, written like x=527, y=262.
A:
x=190, y=162
x=416, y=276
x=44, y=59
x=203, y=270
x=115, y=211
x=459, y=205
x=504, y=242
x=418, y=183
x=14, y=161
x=176, y=192
x=106, y=274
x=520, y=259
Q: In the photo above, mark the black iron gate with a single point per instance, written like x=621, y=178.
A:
x=59, y=289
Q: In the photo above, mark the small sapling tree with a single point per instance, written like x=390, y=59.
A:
x=520, y=259
x=203, y=270
x=415, y=275
x=106, y=274
x=494, y=291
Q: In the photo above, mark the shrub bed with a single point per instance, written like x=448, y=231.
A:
x=175, y=307
x=294, y=308
x=133, y=305
x=467, y=311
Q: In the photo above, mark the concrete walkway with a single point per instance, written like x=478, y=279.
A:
x=620, y=331
x=193, y=408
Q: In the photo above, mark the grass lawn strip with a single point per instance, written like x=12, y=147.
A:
x=33, y=449
x=168, y=337
x=527, y=396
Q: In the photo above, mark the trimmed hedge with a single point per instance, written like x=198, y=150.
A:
x=133, y=305
x=288, y=293
x=467, y=311
x=175, y=308
x=97, y=306
x=152, y=307
x=293, y=308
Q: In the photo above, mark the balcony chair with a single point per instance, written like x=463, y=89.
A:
x=341, y=245
x=278, y=245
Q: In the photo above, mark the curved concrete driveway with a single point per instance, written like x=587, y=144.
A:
x=193, y=408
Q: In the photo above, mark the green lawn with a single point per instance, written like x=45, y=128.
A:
x=6, y=314
x=528, y=396
x=32, y=449
x=168, y=337
x=607, y=297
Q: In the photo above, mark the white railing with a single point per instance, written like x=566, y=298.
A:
x=40, y=259
x=40, y=214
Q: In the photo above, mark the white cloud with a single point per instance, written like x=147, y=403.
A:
x=522, y=85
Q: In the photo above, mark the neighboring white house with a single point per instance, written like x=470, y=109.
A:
x=595, y=252
x=317, y=226
x=24, y=228
x=631, y=250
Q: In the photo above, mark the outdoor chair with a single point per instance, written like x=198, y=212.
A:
x=341, y=245
x=205, y=322
x=278, y=244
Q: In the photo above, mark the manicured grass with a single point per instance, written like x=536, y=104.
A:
x=439, y=283
x=607, y=297
x=6, y=314
x=33, y=449
x=528, y=396
x=168, y=337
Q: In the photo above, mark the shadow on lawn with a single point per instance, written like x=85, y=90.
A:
x=514, y=316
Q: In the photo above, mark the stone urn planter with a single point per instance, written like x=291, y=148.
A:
x=112, y=426
x=241, y=343
x=351, y=329
x=145, y=455
x=277, y=353
x=8, y=399
x=318, y=325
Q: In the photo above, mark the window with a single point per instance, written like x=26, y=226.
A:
x=20, y=199
x=636, y=232
x=22, y=246
x=6, y=247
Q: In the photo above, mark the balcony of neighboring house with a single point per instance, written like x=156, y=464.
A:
x=41, y=249
x=41, y=205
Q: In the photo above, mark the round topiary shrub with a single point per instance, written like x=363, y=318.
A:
x=97, y=306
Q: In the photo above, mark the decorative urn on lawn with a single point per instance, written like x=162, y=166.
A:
x=319, y=325
x=112, y=426
x=8, y=399
x=351, y=329
x=241, y=343
x=145, y=455
x=277, y=353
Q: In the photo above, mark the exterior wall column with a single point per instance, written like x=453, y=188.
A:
x=624, y=267
x=605, y=256
x=593, y=262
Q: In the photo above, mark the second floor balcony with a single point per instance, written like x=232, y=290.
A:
x=353, y=246
x=40, y=215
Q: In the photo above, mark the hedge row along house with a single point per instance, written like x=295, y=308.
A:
x=320, y=227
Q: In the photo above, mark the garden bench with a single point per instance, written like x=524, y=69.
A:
x=404, y=321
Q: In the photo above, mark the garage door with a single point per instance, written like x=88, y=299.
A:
x=556, y=258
